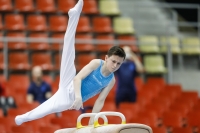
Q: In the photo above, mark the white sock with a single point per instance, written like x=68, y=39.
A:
x=19, y=119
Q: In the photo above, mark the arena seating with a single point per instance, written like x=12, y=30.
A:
x=175, y=44
x=18, y=45
x=148, y=44
x=109, y=7
x=165, y=107
x=123, y=25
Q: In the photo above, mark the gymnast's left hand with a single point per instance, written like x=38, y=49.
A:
x=77, y=104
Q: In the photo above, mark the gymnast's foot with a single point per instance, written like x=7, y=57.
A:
x=19, y=120
x=79, y=6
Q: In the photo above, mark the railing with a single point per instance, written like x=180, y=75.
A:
x=174, y=14
x=5, y=40
x=175, y=22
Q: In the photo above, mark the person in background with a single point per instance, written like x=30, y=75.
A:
x=3, y=104
x=6, y=101
x=126, y=88
x=39, y=90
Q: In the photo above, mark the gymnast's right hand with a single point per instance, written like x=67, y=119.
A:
x=77, y=104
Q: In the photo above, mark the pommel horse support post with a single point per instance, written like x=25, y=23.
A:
x=106, y=128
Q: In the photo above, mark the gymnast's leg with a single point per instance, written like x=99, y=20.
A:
x=64, y=97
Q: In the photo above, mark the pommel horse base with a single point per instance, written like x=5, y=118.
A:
x=106, y=128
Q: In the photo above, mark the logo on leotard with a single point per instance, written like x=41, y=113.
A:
x=97, y=80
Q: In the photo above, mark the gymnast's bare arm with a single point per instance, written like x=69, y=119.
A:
x=98, y=105
x=77, y=82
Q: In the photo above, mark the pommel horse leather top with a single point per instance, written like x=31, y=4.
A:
x=106, y=127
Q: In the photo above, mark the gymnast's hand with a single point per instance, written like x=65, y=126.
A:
x=77, y=104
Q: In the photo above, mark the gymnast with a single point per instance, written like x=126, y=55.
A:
x=96, y=77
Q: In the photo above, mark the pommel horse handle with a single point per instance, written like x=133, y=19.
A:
x=79, y=125
x=102, y=114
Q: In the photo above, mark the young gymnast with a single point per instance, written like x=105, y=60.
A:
x=96, y=77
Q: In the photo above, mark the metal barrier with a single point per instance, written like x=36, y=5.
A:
x=5, y=40
x=176, y=23
x=174, y=14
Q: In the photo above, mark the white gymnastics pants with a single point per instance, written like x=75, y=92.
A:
x=64, y=97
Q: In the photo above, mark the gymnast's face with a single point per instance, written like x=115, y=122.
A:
x=113, y=62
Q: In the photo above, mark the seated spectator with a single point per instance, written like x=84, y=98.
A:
x=39, y=90
x=126, y=89
x=3, y=105
x=6, y=102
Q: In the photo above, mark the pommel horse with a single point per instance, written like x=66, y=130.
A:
x=106, y=127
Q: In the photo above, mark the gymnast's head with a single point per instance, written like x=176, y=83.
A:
x=114, y=58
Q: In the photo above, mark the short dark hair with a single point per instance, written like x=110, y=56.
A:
x=116, y=50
